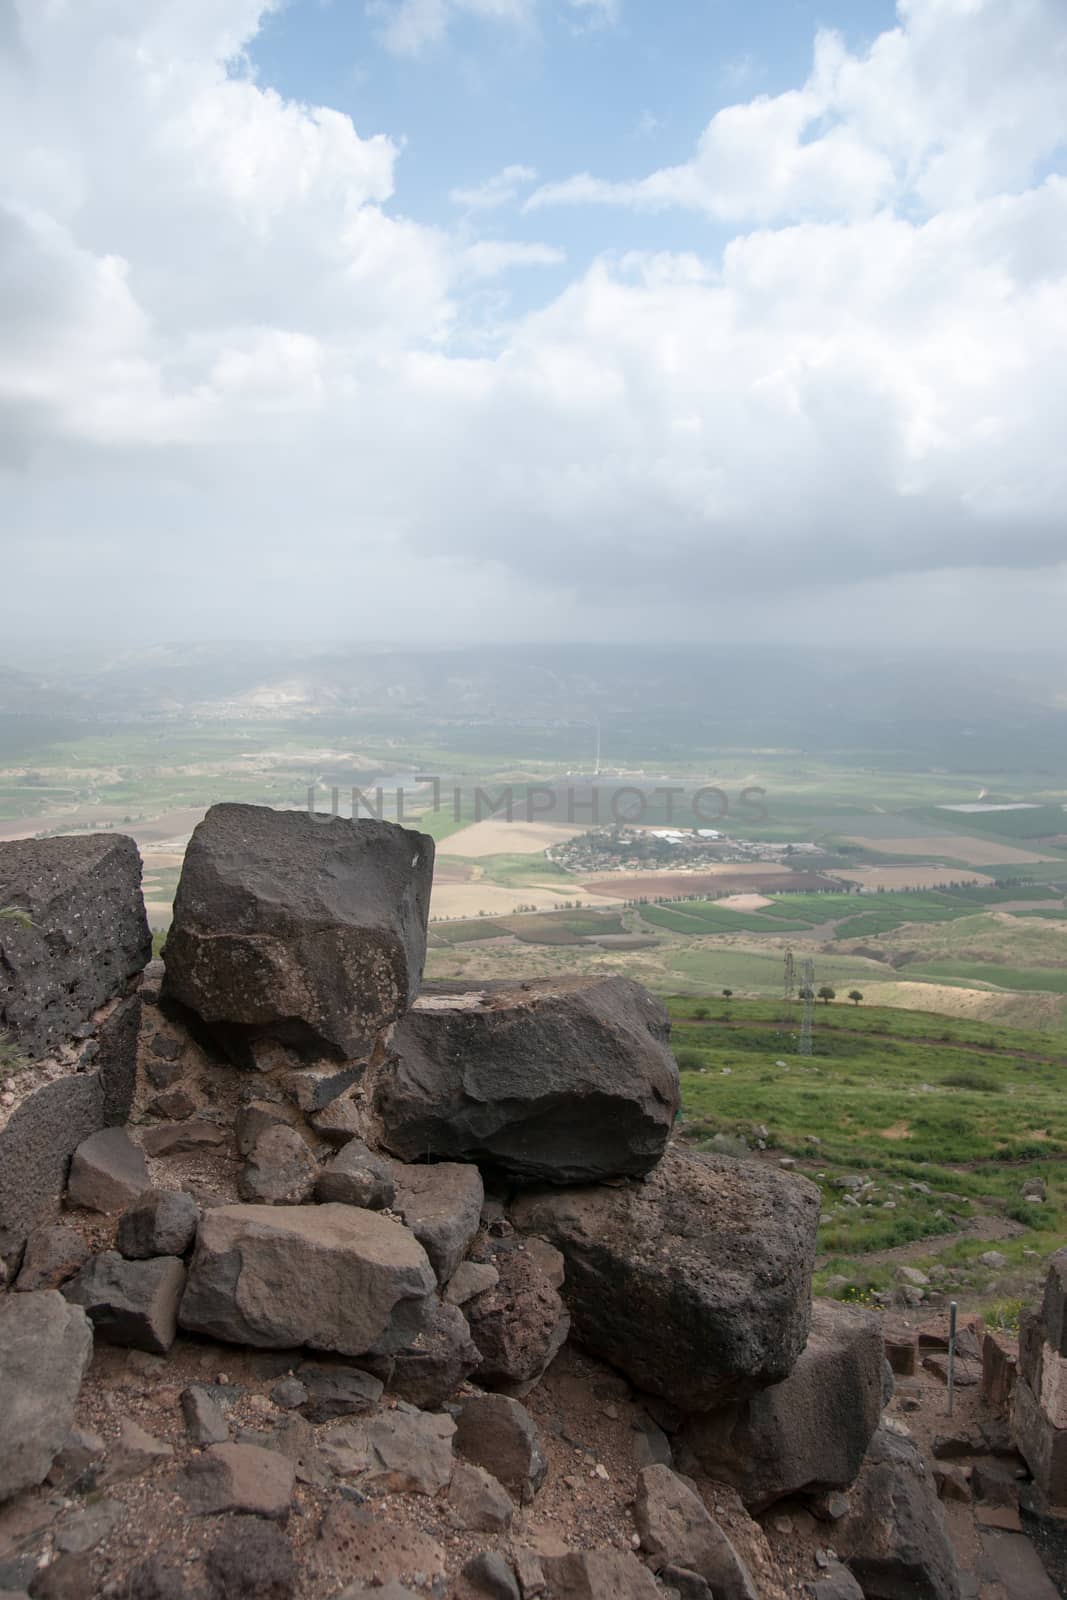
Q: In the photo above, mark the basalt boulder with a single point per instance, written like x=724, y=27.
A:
x=45, y=1348
x=809, y=1433
x=307, y=930
x=332, y=1277
x=695, y=1283
x=560, y=1081
x=68, y=961
x=894, y=1538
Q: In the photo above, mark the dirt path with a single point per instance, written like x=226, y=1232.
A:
x=984, y=1228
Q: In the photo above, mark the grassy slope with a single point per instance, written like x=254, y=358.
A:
x=966, y=1111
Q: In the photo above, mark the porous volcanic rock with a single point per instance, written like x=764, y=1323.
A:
x=307, y=930
x=520, y=1323
x=332, y=1277
x=280, y=1170
x=565, y=1080
x=66, y=970
x=85, y=937
x=430, y=1369
x=894, y=1538
x=45, y=1348
x=808, y=1433
x=52, y=1256
x=696, y=1283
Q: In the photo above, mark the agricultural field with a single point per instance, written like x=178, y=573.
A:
x=945, y=1119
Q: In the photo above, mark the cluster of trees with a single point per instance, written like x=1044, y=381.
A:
x=827, y=993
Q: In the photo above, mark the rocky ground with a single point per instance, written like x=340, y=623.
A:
x=336, y=1292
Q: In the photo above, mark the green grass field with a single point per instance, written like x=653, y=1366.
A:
x=946, y=1119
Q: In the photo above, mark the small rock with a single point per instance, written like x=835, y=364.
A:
x=428, y=1371
x=131, y=1302
x=395, y=1452
x=280, y=1170
x=471, y=1278
x=87, y=1527
x=529, y=1572
x=951, y=1482
x=173, y=1105
x=337, y=1391
x=162, y=1222
x=182, y=1138
x=133, y=1453
x=251, y=1560
x=489, y=1574
x=598, y=1575
x=204, y=1419
x=677, y=1530
x=837, y=1583
x=442, y=1206
x=993, y=1259
x=477, y=1502
x=239, y=1477
x=499, y=1434
x=52, y=1256
x=290, y=1394
x=165, y=1048
x=357, y=1177
x=107, y=1172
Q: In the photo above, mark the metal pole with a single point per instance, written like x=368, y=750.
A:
x=951, y=1353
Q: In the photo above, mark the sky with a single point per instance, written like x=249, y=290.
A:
x=444, y=320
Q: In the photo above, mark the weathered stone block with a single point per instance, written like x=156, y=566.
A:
x=86, y=937
x=809, y=1433
x=45, y=1348
x=333, y=1277
x=695, y=1283
x=310, y=931
x=557, y=1081
x=1043, y=1446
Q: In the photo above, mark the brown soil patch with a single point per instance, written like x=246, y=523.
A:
x=958, y=846
x=498, y=837
x=898, y=1130
x=451, y=872
x=709, y=881
x=918, y=877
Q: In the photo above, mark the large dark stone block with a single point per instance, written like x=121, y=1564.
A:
x=87, y=934
x=695, y=1283
x=563, y=1080
x=310, y=931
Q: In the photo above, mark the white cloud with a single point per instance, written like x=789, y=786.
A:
x=408, y=27
x=963, y=99
x=237, y=387
x=500, y=190
x=488, y=258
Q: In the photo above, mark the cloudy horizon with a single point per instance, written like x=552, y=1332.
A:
x=533, y=319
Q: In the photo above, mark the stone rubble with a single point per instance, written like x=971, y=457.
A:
x=330, y=1366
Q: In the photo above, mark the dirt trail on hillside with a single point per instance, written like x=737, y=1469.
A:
x=984, y=1228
